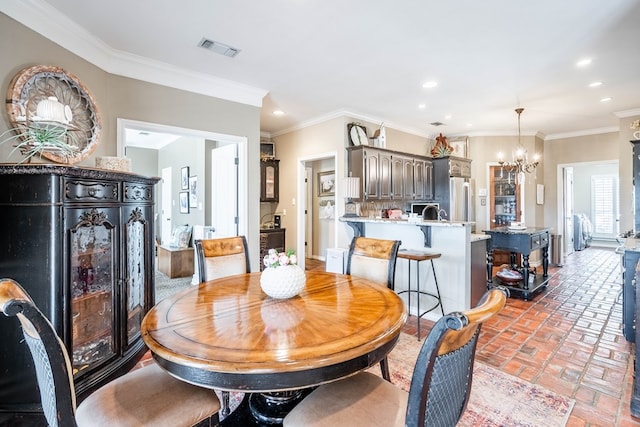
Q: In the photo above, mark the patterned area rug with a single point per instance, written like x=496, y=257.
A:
x=497, y=399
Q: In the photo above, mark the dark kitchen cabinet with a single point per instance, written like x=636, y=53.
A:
x=80, y=241
x=271, y=238
x=391, y=175
x=269, y=180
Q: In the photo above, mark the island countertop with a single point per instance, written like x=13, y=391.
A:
x=419, y=222
x=453, y=240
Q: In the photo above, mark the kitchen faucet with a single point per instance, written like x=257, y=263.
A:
x=442, y=215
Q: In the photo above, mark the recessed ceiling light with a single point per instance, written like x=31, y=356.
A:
x=448, y=116
x=595, y=84
x=429, y=85
x=422, y=106
x=469, y=124
x=607, y=99
x=278, y=113
x=584, y=62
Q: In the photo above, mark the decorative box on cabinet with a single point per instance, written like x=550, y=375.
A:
x=271, y=238
x=81, y=243
x=269, y=180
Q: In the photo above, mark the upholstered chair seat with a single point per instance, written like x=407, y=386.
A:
x=148, y=396
x=440, y=385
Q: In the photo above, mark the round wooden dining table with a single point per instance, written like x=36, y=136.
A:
x=228, y=334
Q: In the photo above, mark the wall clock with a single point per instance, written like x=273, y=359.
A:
x=37, y=83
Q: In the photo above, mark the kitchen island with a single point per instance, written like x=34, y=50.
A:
x=454, y=268
x=522, y=241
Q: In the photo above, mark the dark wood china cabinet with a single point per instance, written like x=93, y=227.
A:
x=80, y=241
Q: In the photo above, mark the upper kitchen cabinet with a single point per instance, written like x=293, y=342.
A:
x=269, y=180
x=423, y=179
x=387, y=174
x=455, y=166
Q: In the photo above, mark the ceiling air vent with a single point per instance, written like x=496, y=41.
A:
x=218, y=47
x=436, y=123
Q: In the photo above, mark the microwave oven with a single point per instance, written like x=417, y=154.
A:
x=431, y=213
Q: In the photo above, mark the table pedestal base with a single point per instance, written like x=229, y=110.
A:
x=264, y=409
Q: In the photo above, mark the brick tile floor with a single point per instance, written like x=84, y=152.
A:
x=568, y=339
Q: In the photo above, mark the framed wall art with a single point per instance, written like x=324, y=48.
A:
x=193, y=194
x=460, y=145
x=184, y=178
x=184, y=202
x=326, y=183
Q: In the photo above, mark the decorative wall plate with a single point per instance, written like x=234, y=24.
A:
x=33, y=84
x=358, y=134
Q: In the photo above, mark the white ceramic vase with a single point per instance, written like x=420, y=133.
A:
x=283, y=282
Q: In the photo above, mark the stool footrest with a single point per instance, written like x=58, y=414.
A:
x=438, y=302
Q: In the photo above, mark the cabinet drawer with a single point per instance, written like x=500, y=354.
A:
x=539, y=240
x=90, y=191
x=134, y=192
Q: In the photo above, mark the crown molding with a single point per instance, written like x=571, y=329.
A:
x=353, y=115
x=42, y=18
x=628, y=113
x=587, y=132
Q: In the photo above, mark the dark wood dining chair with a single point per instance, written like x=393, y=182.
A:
x=375, y=260
x=440, y=385
x=144, y=396
x=222, y=257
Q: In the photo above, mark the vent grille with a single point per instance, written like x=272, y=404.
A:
x=436, y=123
x=218, y=47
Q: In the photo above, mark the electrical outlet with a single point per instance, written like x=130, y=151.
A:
x=284, y=212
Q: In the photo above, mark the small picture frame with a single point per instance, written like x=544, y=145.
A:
x=184, y=178
x=460, y=145
x=326, y=183
x=184, y=202
x=193, y=191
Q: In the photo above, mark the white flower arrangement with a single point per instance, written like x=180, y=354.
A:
x=635, y=125
x=274, y=259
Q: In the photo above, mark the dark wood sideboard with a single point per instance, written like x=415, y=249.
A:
x=80, y=241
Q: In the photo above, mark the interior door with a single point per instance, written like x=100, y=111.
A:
x=308, y=211
x=165, y=217
x=568, y=210
x=224, y=191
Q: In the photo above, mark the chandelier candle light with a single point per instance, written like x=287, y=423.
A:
x=520, y=163
x=636, y=127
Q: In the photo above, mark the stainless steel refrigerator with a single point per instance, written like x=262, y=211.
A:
x=461, y=199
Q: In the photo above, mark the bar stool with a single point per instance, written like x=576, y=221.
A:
x=418, y=256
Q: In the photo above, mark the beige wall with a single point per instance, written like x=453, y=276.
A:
x=120, y=97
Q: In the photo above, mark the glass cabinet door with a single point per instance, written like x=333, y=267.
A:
x=136, y=258
x=504, y=200
x=92, y=254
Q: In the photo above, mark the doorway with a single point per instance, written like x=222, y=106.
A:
x=308, y=211
x=155, y=136
x=579, y=190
